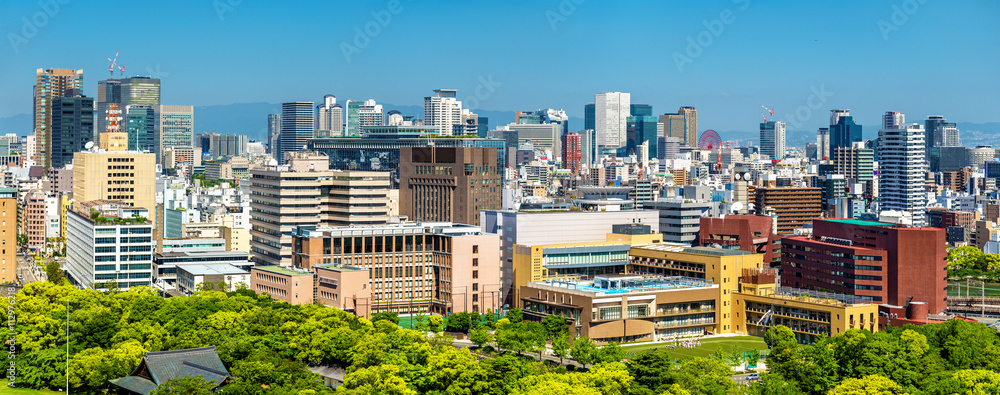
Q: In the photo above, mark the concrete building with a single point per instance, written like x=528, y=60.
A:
x=306, y=192
x=751, y=233
x=115, y=175
x=540, y=228
x=174, y=128
x=344, y=287
x=793, y=206
x=8, y=234
x=295, y=286
x=902, y=167
x=424, y=268
x=444, y=111
x=823, y=151
x=542, y=137
x=100, y=250
x=58, y=181
x=49, y=85
x=572, y=151
x=772, y=140
x=296, y=127
x=611, y=112
x=33, y=220
x=855, y=163
x=448, y=184
x=190, y=277
x=72, y=126
x=360, y=115
x=329, y=118
x=227, y=145
x=892, y=265
x=680, y=219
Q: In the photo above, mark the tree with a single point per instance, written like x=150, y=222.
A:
x=434, y=323
x=560, y=346
x=205, y=286
x=777, y=335
x=611, y=352
x=480, y=337
x=188, y=385
x=381, y=379
x=419, y=322
x=868, y=385
x=583, y=350
x=22, y=239
x=653, y=372
x=967, y=257
x=706, y=376
x=222, y=286
x=55, y=273
x=991, y=261
x=515, y=315
x=752, y=357
x=390, y=316
x=963, y=382
x=774, y=384
x=554, y=325
x=459, y=322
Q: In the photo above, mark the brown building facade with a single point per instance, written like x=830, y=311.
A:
x=751, y=233
x=794, y=206
x=448, y=184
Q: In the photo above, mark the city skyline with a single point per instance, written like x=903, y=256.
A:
x=723, y=78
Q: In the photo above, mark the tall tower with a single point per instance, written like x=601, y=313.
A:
x=296, y=127
x=690, y=125
x=843, y=131
x=174, y=128
x=772, y=139
x=901, y=167
x=823, y=144
x=108, y=91
x=50, y=84
x=443, y=110
x=273, y=130
x=72, y=126
x=329, y=118
x=611, y=111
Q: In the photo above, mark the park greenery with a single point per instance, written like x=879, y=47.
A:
x=970, y=261
x=267, y=345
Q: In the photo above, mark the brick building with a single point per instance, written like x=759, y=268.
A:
x=448, y=184
x=752, y=233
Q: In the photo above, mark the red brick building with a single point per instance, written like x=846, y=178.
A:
x=893, y=265
x=572, y=151
x=753, y=233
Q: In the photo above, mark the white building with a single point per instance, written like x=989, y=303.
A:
x=611, y=112
x=360, y=114
x=443, y=110
x=103, y=250
x=189, y=277
x=901, y=169
x=329, y=118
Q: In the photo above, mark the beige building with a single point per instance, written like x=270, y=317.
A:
x=8, y=234
x=344, y=287
x=237, y=239
x=289, y=285
x=126, y=176
x=306, y=192
x=50, y=84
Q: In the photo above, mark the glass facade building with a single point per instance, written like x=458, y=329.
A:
x=844, y=132
x=72, y=127
x=642, y=129
x=139, y=123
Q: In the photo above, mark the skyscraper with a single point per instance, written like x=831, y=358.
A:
x=360, y=114
x=588, y=116
x=72, y=126
x=642, y=129
x=174, y=128
x=939, y=133
x=140, y=125
x=843, y=131
x=901, y=167
x=296, y=127
x=823, y=143
x=611, y=111
x=108, y=91
x=640, y=110
x=772, y=139
x=329, y=118
x=50, y=84
x=140, y=90
x=443, y=110
x=273, y=130
x=572, y=151
x=691, y=126
x=448, y=184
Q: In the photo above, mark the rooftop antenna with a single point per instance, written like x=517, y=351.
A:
x=111, y=67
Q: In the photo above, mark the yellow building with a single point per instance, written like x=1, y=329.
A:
x=65, y=204
x=575, y=260
x=717, y=265
x=8, y=234
x=126, y=176
x=237, y=239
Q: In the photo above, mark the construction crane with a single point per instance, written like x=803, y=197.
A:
x=111, y=67
x=121, y=71
x=770, y=112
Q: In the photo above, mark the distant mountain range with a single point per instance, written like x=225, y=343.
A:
x=251, y=119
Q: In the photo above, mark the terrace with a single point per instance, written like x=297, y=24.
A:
x=625, y=284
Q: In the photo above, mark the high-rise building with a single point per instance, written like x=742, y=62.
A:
x=95, y=254
x=902, y=168
x=329, y=118
x=33, y=220
x=50, y=84
x=546, y=116
x=296, y=127
x=8, y=235
x=855, y=163
x=109, y=92
x=443, y=110
x=306, y=192
x=361, y=114
x=448, y=184
x=793, y=206
x=823, y=150
x=72, y=126
x=772, y=139
x=227, y=145
x=640, y=110
x=690, y=125
x=125, y=176
x=673, y=126
x=140, y=125
x=470, y=124
x=541, y=136
x=174, y=128
x=611, y=111
x=893, y=120
x=483, y=123
x=843, y=132
x=140, y=91
x=273, y=131
x=642, y=129
x=572, y=151
x=588, y=116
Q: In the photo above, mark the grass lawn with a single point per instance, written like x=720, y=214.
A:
x=4, y=389
x=708, y=346
x=959, y=288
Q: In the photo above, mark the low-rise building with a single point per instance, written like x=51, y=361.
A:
x=292, y=285
x=189, y=277
x=344, y=287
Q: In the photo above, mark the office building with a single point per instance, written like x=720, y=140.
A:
x=33, y=218
x=893, y=120
x=296, y=127
x=611, y=111
x=174, y=128
x=902, y=167
x=855, y=163
x=49, y=84
x=980, y=155
x=572, y=151
x=588, y=116
x=542, y=137
x=144, y=91
x=641, y=130
x=72, y=126
x=680, y=218
x=361, y=114
x=892, y=265
x=329, y=118
x=443, y=111
x=140, y=125
x=939, y=133
x=683, y=124
x=843, y=131
x=168, y=264
x=222, y=146
x=378, y=148
x=103, y=252
x=448, y=184
x=191, y=277
x=8, y=234
x=125, y=176
x=640, y=110
x=306, y=192
x=772, y=140
x=287, y=284
x=794, y=207
x=416, y=268
x=273, y=131
x=823, y=151
x=109, y=92
x=751, y=233
x=469, y=124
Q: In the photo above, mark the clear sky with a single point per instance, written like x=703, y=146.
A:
x=917, y=56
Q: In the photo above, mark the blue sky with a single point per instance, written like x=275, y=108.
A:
x=918, y=56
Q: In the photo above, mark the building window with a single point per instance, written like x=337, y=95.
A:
x=475, y=262
x=475, y=286
x=475, y=274
x=475, y=249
